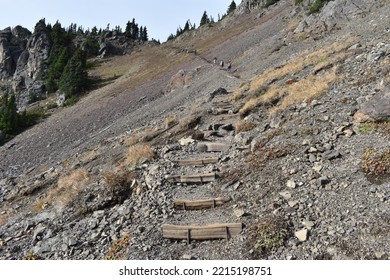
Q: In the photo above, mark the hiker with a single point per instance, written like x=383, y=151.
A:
x=229, y=67
x=222, y=64
x=215, y=60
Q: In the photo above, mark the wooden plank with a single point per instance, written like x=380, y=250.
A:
x=214, y=147
x=157, y=133
x=197, y=162
x=200, y=204
x=216, y=231
x=197, y=178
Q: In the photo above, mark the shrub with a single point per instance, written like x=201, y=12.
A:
x=270, y=2
x=68, y=188
x=317, y=6
x=243, y=126
x=376, y=162
x=269, y=234
x=138, y=153
x=118, y=248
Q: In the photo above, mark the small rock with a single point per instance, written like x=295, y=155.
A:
x=292, y=203
x=322, y=181
x=329, y=155
x=239, y=212
x=186, y=141
x=301, y=235
x=308, y=224
x=317, y=167
x=286, y=195
x=188, y=257
x=291, y=184
x=348, y=133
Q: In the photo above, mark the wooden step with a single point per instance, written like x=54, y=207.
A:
x=197, y=162
x=216, y=231
x=200, y=204
x=213, y=147
x=197, y=178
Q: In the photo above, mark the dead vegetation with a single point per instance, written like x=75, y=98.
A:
x=268, y=235
x=67, y=190
x=138, y=153
x=376, y=162
x=117, y=250
x=269, y=90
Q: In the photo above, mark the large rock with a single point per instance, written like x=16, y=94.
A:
x=376, y=109
x=333, y=15
x=180, y=80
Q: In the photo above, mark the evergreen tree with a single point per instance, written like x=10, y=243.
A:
x=73, y=80
x=186, y=26
x=55, y=70
x=205, y=19
x=9, y=115
x=232, y=7
x=145, y=36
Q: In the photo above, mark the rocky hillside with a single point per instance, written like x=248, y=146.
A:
x=290, y=146
x=26, y=58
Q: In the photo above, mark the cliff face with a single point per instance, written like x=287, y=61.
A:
x=22, y=58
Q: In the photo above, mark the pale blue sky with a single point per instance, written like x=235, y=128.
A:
x=161, y=17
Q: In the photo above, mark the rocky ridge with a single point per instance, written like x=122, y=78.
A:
x=302, y=165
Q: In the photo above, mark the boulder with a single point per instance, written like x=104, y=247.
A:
x=181, y=79
x=376, y=109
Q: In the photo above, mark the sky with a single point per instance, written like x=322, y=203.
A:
x=161, y=17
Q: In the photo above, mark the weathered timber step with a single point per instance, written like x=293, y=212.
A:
x=160, y=131
x=213, y=147
x=217, y=231
x=197, y=162
x=198, y=178
x=200, y=204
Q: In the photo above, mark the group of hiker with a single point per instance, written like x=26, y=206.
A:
x=222, y=64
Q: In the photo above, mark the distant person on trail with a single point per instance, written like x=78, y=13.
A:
x=229, y=67
x=222, y=64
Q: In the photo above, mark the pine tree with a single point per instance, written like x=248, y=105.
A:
x=205, y=19
x=145, y=36
x=187, y=26
x=232, y=7
x=9, y=117
x=73, y=80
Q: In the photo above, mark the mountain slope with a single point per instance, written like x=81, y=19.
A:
x=76, y=186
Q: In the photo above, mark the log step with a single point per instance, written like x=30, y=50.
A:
x=216, y=231
x=198, y=178
x=200, y=204
x=197, y=162
x=213, y=147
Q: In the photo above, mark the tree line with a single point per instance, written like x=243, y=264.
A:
x=205, y=19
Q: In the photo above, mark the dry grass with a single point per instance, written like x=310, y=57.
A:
x=281, y=97
x=306, y=90
x=319, y=59
x=118, y=248
x=67, y=190
x=5, y=217
x=244, y=126
x=376, y=162
x=170, y=120
x=138, y=153
x=118, y=177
